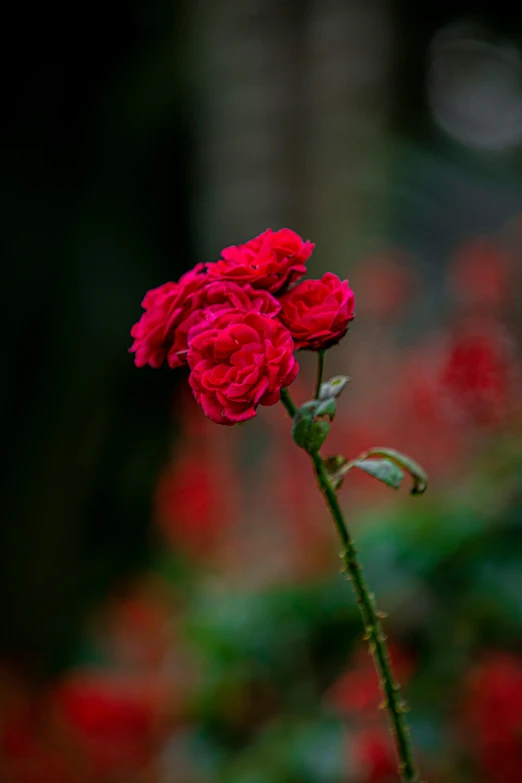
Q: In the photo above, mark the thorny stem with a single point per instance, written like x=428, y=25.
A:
x=374, y=634
x=320, y=365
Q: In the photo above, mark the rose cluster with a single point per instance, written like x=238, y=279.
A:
x=237, y=321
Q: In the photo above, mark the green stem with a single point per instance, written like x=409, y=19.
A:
x=319, y=379
x=374, y=633
x=288, y=403
x=393, y=702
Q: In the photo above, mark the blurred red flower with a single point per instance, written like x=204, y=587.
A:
x=89, y=727
x=478, y=375
x=493, y=717
x=373, y=756
x=196, y=495
x=383, y=284
x=357, y=690
x=30, y=751
x=356, y=695
x=481, y=274
x=119, y=723
x=187, y=503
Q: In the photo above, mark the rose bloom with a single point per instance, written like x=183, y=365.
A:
x=212, y=300
x=273, y=261
x=239, y=362
x=165, y=308
x=318, y=312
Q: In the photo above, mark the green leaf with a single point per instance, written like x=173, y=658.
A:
x=311, y=424
x=386, y=465
x=420, y=479
x=382, y=469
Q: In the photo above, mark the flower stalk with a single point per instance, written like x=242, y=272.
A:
x=320, y=368
x=237, y=323
x=393, y=702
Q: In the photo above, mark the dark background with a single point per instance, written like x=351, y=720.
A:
x=96, y=143
x=103, y=120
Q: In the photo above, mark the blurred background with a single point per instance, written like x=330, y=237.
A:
x=171, y=605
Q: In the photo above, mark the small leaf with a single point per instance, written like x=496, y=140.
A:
x=331, y=389
x=420, y=479
x=382, y=469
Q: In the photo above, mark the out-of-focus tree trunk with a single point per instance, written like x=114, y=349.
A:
x=292, y=104
x=293, y=97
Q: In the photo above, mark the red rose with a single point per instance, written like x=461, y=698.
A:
x=212, y=300
x=165, y=307
x=273, y=261
x=239, y=362
x=318, y=312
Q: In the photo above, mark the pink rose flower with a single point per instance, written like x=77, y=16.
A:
x=273, y=261
x=212, y=300
x=318, y=312
x=165, y=307
x=241, y=361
